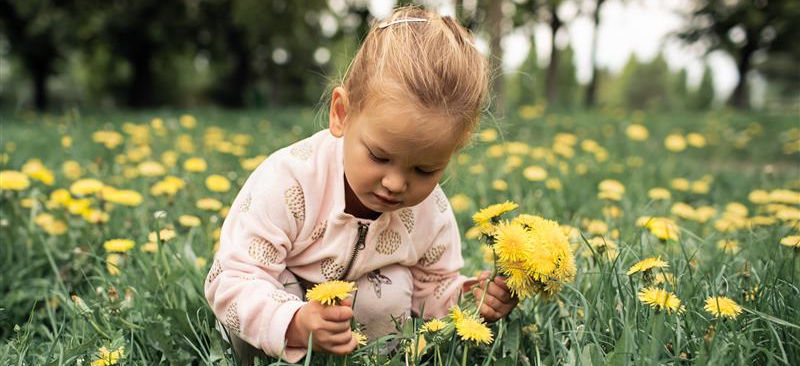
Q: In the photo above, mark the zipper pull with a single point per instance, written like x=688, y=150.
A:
x=362, y=235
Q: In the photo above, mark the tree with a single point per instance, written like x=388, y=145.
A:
x=703, y=97
x=590, y=97
x=743, y=28
x=34, y=29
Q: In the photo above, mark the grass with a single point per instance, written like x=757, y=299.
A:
x=62, y=301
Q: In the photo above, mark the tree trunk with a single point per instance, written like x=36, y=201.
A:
x=494, y=16
x=552, y=69
x=741, y=97
x=39, y=74
x=591, y=90
x=141, y=87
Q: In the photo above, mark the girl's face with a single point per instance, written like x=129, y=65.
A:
x=393, y=156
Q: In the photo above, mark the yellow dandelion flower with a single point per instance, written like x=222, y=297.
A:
x=488, y=135
x=486, y=215
x=106, y=357
x=512, y=242
x=187, y=121
x=535, y=173
x=209, y=204
x=113, y=261
x=36, y=170
x=71, y=169
x=647, y=264
x=330, y=293
x=217, y=183
x=149, y=247
x=433, y=326
x=791, y=241
x=663, y=228
x=758, y=196
x=675, y=143
x=118, y=245
x=456, y=314
x=721, y=306
x=637, y=132
x=460, y=202
x=680, y=184
x=189, y=220
x=195, y=165
x=596, y=227
x=13, y=180
x=85, y=187
x=151, y=169
x=611, y=185
x=728, y=246
x=123, y=197
x=500, y=185
x=252, y=163
x=474, y=330
x=696, y=140
x=164, y=234
x=361, y=339
x=660, y=299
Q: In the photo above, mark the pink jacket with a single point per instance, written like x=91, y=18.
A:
x=288, y=223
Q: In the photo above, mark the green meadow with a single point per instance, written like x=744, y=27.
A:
x=724, y=188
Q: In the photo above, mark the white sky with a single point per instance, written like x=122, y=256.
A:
x=638, y=26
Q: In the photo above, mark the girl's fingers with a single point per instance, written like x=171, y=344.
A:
x=490, y=313
x=500, y=293
x=501, y=281
x=336, y=327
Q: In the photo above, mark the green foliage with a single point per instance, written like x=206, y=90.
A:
x=155, y=308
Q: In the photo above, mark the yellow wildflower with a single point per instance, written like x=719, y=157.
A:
x=647, y=264
x=107, y=357
x=217, y=183
x=486, y=215
x=661, y=299
x=330, y=293
x=113, y=261
x=721, y=306
x=36, y=170
x=791, y=241
x=195, y=165
x=118, y=245
x=659, y=193
x=189, y=220
x=433, y=326
x=460, y=202
x=535, y=173
x=675, y=143
x=85, y=187
x=13, y=180
x=209, y=204
x=361, y=339
x=472, y=329
x=637, y=132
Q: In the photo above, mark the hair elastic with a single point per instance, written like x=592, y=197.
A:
x=401, y=20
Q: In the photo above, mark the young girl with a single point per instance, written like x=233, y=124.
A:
x=359, y=202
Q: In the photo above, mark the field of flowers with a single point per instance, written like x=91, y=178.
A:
x=685, y=231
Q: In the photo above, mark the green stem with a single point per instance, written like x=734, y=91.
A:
x=464, y=356
x=490, y=279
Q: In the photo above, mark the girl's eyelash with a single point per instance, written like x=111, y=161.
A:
x=423, y=172
x=377, y=159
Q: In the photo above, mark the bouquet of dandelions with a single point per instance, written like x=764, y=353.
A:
x=531, y=252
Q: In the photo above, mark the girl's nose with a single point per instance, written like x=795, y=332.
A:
x=394, y=182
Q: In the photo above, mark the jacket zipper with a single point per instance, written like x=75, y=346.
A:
x=360, y=244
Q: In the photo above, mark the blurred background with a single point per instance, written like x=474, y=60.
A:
x=560, y=54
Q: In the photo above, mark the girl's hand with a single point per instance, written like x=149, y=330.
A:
x=498, y=302
x=330, y=326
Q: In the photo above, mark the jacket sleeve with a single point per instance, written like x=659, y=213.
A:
x=437, y=282
x=243, y=286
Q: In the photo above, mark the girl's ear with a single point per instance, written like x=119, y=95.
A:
x=338, y=113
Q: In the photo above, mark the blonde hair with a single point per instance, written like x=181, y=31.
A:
x=435, y=62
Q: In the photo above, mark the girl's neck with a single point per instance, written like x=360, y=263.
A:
x=353, y=206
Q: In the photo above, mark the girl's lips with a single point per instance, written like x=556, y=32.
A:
x=386, y=201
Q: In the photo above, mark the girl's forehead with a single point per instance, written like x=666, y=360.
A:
x=403, y=129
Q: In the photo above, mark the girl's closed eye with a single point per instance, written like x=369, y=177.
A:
x=425, y=172
x=376, y=158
